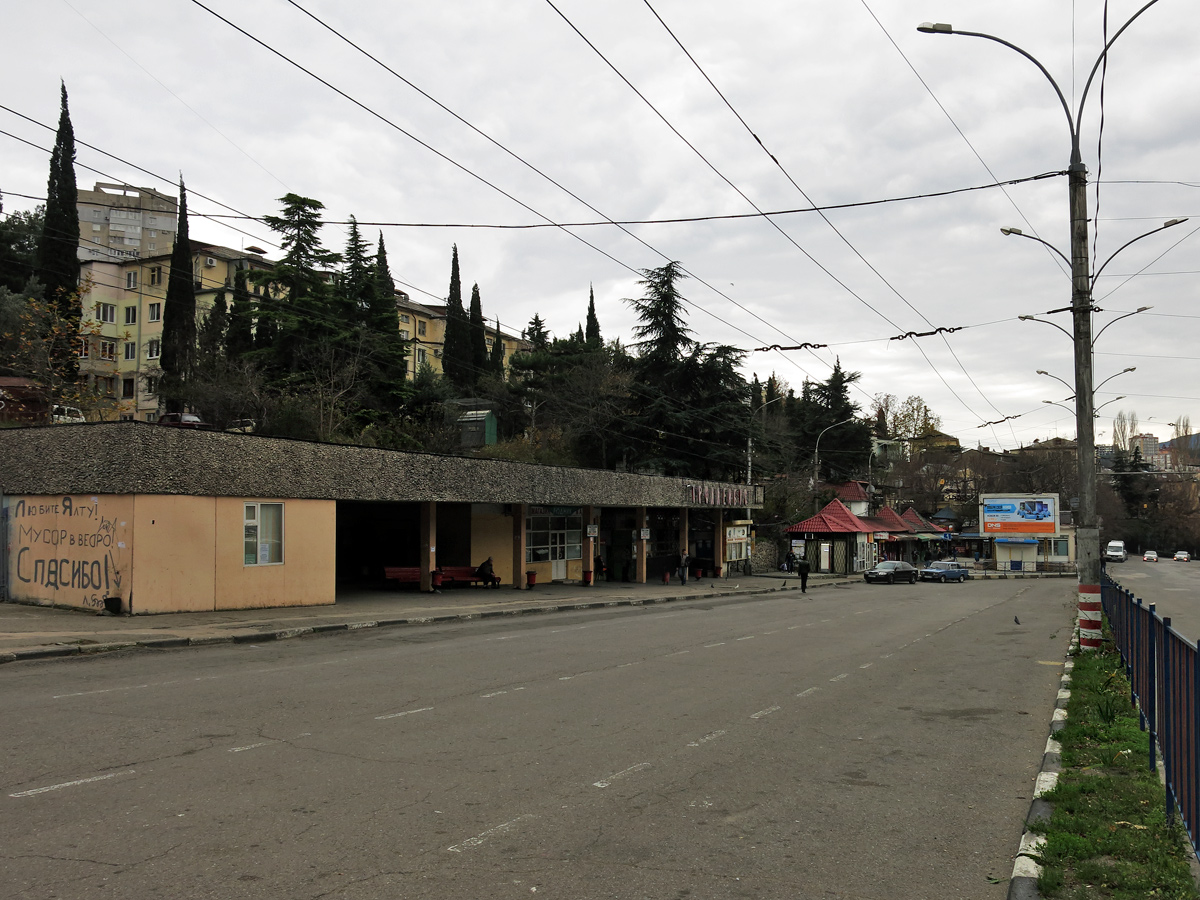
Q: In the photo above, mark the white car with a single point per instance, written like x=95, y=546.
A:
x=1182, y=556
x=1149, y=556
x=67, y=415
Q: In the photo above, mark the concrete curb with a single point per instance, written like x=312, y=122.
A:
x=264, y=636
x=1026, y=869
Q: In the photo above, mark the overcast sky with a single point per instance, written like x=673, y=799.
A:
x=852, y=101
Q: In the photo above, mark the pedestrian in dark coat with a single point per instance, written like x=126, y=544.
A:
x=802, y=569
x=684, y=559
x=487, y=574
x=790, y=561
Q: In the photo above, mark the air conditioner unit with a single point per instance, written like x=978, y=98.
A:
x=437, y=354
x=209, y=262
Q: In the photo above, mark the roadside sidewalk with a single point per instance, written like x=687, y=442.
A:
x=40, y=632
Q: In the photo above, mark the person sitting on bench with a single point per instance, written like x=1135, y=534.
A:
x=487, y=574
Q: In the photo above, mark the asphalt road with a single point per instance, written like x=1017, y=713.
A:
x=1174, y=588
x=865, y=742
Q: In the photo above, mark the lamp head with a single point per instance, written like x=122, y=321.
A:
x=1042, y=372
x=1026, y=319
x=1011, y=231
x=935, y=28
x=1170, y=222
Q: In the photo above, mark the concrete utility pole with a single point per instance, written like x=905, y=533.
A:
x=1087, y=532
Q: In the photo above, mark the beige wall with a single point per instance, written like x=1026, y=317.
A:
x=491, y=535
x=75, y=551
x=69, y=551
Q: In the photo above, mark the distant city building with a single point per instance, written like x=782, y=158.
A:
x=118, y=222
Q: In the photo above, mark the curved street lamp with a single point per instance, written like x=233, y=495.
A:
x=1088, y=534
x=817, y=447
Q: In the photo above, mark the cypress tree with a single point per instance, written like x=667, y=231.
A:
x=57, y=260
x=239, y=336
x=592, y=335
x=358, y=279
x=385, y=287
x=211, y=336
x=479, y=351
x=179, y=316
x=496, y=360
x=456, y=350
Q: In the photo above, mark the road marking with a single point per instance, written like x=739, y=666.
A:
x=807, y=691
x=480, y=838
x=747, y=638
x=718, y=644
x=102, y=691
x=492, y=694
x=407, y=712
x=605, y=782
x=678, y=653
x=844, y=675
x=765, y=712
x=576, y=675
x=794, y=627
x=885, y=656
x=624, y=665
x=776, y=631
x=865, y=666
x=251, y=746
x=711, y=736
x=67, y=784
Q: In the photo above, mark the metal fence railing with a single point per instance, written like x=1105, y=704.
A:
x=1024, y=566
x=1164, y=679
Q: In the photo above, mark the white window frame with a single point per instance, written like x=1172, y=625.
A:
x=130, y=351
x=268, y=548
x=108, y=349
x=153, y=348
x=131, y=280
x=106, y=313
x=154, y=312
x=156, y=275
x=131, y=315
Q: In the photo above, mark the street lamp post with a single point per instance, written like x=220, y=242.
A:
x=816, y=448
x=1087, y=531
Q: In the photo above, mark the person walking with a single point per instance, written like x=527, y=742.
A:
x=684, y=559
x=802, y=569
x=790, y=561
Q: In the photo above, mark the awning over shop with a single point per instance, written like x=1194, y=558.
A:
x=1010, y=540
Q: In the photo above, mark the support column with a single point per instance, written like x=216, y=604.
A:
x=719, y=543
x=518, y=557
x=589, y=544
x=428, y=559
x=683, y=530
x=642, y=545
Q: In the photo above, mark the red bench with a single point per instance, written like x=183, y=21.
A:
x=450, y=574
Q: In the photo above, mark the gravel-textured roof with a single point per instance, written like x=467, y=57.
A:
x=140, y=458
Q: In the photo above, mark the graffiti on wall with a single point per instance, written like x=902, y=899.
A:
x=69, y=551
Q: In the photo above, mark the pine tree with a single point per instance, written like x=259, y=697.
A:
x=536, y=333
x=662, y=337
x=594, y=341
x=179, y=317
x=239, y=335
x=384, y=296
x=496, y=360
x=358, y=278
x=456, y=350
x=479, y=352
x=57, y=263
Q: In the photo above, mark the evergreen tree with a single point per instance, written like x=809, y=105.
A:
x=662, y=337
x=536, y=333
x=594, y=341
x=357, y=281
x=211, y=337
x=239, y=335
x=496, y=360
x=57, y=263
x=307, y=313
x=19, y=236
x=388, y=385
x=179, y=317
x=456, y=350
x=479, y=351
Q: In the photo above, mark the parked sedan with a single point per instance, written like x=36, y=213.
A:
x=945, y=571
x=184, y=420
x=891, y=572
x=1182, y=556
x=1149, y=556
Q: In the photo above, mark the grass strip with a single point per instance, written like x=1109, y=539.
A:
x=1108, y=836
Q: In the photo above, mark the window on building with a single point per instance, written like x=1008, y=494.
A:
x=155, y=274
x=151, y=387
x=153, y=348
x=95, y=227
x=106, y=312
x=106, y=386
x=97, y=215
x=126, y=417
x=153, y=246
x=421, y=327
x=404, y=318
x=85, y=347
x=108, y=349
x=127, y=389
x=131, y=315
x=550, y=537
x=130, y=351
x=130, y=280
x=404, y=334
x=263, y=542
x=154, y=312
x=422, y=357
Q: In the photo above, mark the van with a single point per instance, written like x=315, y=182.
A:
x=67, y=415
x=1115, y=552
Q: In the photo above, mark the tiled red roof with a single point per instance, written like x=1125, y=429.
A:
x=920, y=523
x=851, y=492
x=835, y=518
x=895, y=522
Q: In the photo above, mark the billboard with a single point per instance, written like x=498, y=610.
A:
x=1019, y=514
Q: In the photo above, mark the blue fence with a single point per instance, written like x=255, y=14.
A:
x=1164, y=683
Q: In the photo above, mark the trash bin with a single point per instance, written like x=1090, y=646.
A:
x=436, y=577
x=530, y=579
x=587, y=576
x=666, y=576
